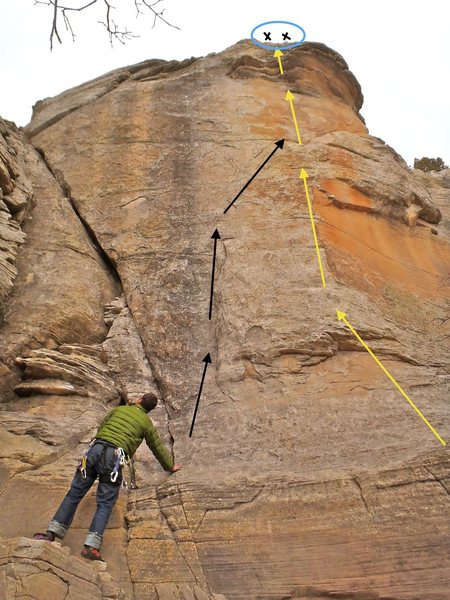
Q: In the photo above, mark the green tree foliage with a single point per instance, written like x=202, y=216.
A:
x=429, y=164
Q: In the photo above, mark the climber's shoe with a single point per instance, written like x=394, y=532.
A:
x=91, y=553
x=45, y=537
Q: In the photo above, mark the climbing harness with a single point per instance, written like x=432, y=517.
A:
x=120, y=459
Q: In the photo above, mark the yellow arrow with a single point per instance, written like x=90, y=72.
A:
x=290, y=96
x=278, y=54
x=303, y=175
x=341, y=317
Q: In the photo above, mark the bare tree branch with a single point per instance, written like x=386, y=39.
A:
x=68, y=25
x=54, y=26
x=157, y=15
x=114, y=31
x=53, y=2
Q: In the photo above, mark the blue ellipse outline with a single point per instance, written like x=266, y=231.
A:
x=278, y=47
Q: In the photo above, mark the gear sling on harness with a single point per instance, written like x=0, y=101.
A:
x=120, y=459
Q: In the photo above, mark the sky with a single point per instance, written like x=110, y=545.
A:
x=399, y=50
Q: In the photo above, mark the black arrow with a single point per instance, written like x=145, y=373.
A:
x=278, y=144
x=207, y=360
x=215, y=236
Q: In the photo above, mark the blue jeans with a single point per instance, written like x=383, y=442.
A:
x=100, y=463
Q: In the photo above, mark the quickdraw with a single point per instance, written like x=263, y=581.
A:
x=119, y=461
x=83, y=462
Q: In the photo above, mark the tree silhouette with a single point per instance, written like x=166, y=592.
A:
x=429, y=164
x=115, y=32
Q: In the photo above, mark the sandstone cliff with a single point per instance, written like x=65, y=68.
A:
x=308, y=474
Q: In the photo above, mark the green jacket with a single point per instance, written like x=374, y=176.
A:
x=127, y=426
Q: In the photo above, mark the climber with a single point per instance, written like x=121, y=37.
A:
x=117, y=439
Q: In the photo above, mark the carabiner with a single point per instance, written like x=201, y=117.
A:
x=83, y=463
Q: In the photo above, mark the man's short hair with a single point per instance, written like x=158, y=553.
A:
x=149, y=401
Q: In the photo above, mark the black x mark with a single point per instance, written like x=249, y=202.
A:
x=286, y=36
x=267, y=36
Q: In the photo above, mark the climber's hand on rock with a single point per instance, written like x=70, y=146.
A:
x=176, y=468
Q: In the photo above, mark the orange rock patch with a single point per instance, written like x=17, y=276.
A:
x=367, y=251
x=347, y=197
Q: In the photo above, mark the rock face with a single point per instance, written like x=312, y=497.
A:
x=308, y=474
x=40, y=570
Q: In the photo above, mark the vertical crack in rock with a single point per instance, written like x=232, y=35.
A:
x=107, y=260
x=358, y=485
x=160, y=387
x=128, y=537
x=161, y=493
x=217, y=308
x=120, y=319
x=182, y=506
x=447, y=491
